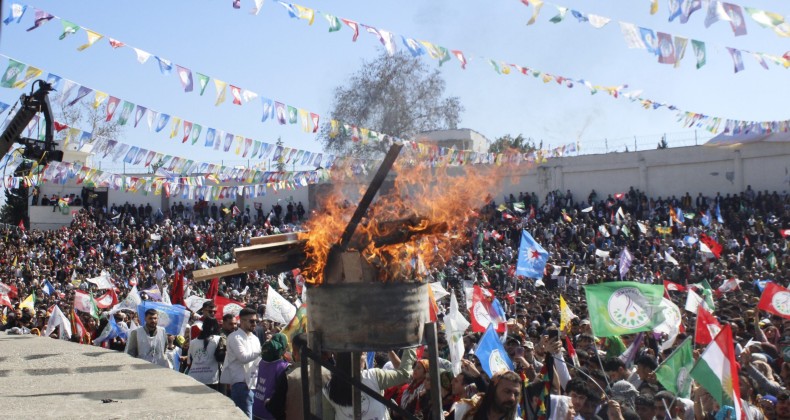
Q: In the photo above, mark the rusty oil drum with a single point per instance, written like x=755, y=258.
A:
x=368, y=316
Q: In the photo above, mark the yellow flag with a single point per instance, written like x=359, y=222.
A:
x=92, y=38
x=305, y=13
x=14, y=264
x=100, y=97
x=29, y=302
x=220, y=85
x=176, y=124
x=566, y=315
x=30, y=74
x=204, y=257
x=654, y=7
x=537, y=5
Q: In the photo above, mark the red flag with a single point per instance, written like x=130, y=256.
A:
x=227, y=306
x=9, y=290
x=714, y=246
x=572, y=351
x=482, y=314
x=107, y=300
x=177, y=290
x=707, y=327
x=78, y=328
x=670, y=286
x=21, y=225
x=5, y=300
x=213, y=288
x=776, y=300
x=784, y=232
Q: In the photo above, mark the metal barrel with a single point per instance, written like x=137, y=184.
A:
x=368, y=316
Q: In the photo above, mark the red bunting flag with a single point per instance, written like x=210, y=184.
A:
x=776, y=300
x=707, y=327
x=714, y=246
x=21, y=225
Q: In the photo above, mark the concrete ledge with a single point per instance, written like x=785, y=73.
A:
x=46, y=378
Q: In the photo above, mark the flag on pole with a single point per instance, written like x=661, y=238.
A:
x=84, y=302
x=58, y=319
x=625, y=262
x=624, y=307
x=484, y=313
x=455, y=326
x=673, y=373
x=129, y=303
x=670, y=286
x=493, y=357
x=714, y=246
x=566, y=315
x=776, y=300
x=107, y=300
x=629, y=355
x=707, y=327
x=29, y=303
x=670, y=322
x=278, y=309
x=227, y=306
x=532, y=257
x=173, y=318
x=112, y=330
x=48, y=288
x=717, y=372
x=297, y=325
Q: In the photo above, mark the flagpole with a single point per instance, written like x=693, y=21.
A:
x=673, y=352
x=600, y=363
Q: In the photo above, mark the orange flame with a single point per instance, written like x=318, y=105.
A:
x=432, y=209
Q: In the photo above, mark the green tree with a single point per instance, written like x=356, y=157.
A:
x=395, y=95
x=508, y=142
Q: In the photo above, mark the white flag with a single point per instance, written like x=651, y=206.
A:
x=103, y=281
x=438, y=291
x=631, y=35
x=693, y=301
x=129, y=303
x=57, y=319
x=455, y=325
x=278, y=309
x=670, y=259
x=670, y=324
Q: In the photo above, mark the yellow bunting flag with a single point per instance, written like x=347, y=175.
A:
x=220, y=85
x=100, y=97
x=92, y=38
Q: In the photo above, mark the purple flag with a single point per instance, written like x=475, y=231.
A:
x=186, y=78
x=737, y=59
x=737, y=22
x=629, y=355
x=279, y=109
x=42, y=17
x=81, y=93
x=625, y=262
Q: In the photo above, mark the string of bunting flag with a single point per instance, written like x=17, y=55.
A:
x=185, y=187
x=733, y=13
x=419, y=153
x=668, y=48
x=272, y=109
x=417, y=48
x=157, y=121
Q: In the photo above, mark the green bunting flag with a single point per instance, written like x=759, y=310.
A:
x=334, y=22
x=68, y=29
x=623, y=307
x=674, y=373
x=11, y=73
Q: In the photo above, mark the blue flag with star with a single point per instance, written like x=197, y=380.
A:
x=532, y=257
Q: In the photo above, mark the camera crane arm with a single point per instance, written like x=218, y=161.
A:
x=30, y=105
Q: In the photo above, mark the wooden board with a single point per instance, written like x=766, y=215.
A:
x=260, y=240
x=218, y=271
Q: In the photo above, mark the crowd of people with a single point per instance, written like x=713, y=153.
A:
x=584, y=238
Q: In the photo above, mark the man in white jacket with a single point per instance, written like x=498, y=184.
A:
x=148, y=342
x=240, y=369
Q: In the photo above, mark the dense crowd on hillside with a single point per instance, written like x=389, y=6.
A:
x=668, y=239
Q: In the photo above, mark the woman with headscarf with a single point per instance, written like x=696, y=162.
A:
x=269, y=396
x=410, y=393
x=203, y=366
x=562, y=408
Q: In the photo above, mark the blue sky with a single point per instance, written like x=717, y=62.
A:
x=287, y=60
